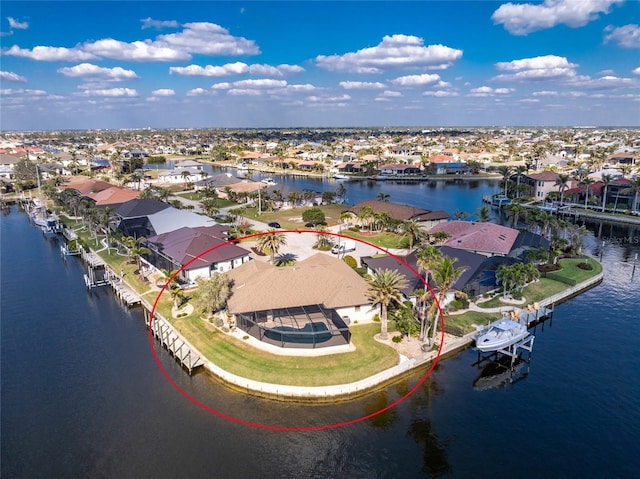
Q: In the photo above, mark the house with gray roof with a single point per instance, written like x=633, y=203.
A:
x=425, y=218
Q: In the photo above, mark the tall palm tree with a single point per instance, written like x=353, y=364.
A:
x=562, y=181
x=634, y=188
x=414, y=232
x=383, y=197
x=587, y=182
x=505, y=171
x=427, y=257
x=606, y=179
x=385, y=288
x=445, y=274
x=515, y=210
x=272, y=242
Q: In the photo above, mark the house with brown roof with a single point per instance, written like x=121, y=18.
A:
x=85, y=185
x=310, y=304
x=425, y=218
x=541, y=183
x=486, y=238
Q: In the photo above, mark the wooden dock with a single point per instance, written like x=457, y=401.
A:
x=173, y=342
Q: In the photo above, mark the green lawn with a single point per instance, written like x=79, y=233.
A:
x=239, y=358
x=292, y=218
x=548, y=287
x=385, y=239
x=468, y=320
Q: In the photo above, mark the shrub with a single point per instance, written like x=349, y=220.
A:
x=351, y=261
x=245, y=337
x=397, y=339
x=314, y=216
x=585, y=266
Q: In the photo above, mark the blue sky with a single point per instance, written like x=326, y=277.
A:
x=76, y=65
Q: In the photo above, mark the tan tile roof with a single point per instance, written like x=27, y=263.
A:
x=84, y=184
x=113, y=196
x=320, y=279
x=544, y=176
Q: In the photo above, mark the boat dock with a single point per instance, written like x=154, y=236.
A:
x=173, y=342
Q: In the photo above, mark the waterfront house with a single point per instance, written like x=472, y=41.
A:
x=540, y=184
x=85, y=185
x=425, y=218
x=477, y=278
x=134, y=216
x=112, y=196
x=181, y=175
x=320, y=295
x=179, y=248
x=398, y=169
x=484, y=238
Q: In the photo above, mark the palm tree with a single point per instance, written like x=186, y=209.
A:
x=505, y=171
x=427, y=257
x=272, y=242
x=460, y=215
x=515, y=210
x=441, y=237
x=383, y=197
x=445, y=274
x=384, y=289
x=366, y=216
x=563, y=182
x=587, y=182
x=483, y=214
x=415, y=233
x=210, y=206
x=634, y=188
x=606, y=179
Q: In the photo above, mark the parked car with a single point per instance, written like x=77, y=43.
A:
x=274, y=224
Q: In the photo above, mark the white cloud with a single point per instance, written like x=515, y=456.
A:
x=395, y=51
x=23, y=91
x=529, y=100
x=10, y=76
x=416, y=80
x=606, y=82
x=328, y=99
x=111, y=92
x=135, y=51
x=251, y=84
x=545, y=93
x=50, y=54
x=361, y=85
x=195, y=38
x=88, y=70
x=221, y=86
x=279, y=70
x=525, y=18
x=198, y=91
x=163, y=92
x=15, y=24
x=151, y=23
x=208, y=39
x=440, y=93
x=548, y=67
x=627, y=36
x=485, y=91
x=237, y=68
x=636, y=71
x=245, y=92
x=391, y=94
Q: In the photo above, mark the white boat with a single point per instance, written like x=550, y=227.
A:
x=268, y=181
x=242, y=167
x=500, y=334
x=339, y=176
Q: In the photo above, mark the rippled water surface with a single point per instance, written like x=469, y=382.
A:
x=82, y=396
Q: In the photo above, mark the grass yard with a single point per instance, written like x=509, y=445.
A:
x=292, y=218
x=385, y=239
x=239, y=358
x=548, y=287
x=468, y=320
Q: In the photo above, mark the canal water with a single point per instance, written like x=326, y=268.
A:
x=81, y=395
